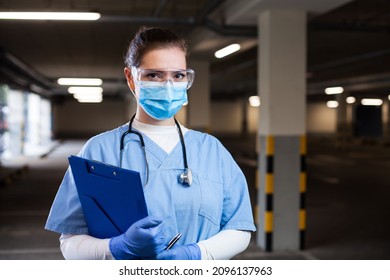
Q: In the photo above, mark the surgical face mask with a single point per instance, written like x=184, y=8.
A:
x=162, y=100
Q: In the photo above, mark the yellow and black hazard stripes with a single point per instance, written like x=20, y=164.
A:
x=269, y=192
x=281, y=209
x=302, y=192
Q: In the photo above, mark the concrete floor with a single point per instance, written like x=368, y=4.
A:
x=347, y=202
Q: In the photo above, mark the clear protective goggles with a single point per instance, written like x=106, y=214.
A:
x=163, y=75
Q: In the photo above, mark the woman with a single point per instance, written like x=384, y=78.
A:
x=207, y=203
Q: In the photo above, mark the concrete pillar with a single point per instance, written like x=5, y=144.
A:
x=350, y=116
x=280, y=212
x=342, y=125
x=198, y=111
x=386, y=121
x=244, y=114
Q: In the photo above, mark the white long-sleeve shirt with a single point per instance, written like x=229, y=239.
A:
x=87, y=247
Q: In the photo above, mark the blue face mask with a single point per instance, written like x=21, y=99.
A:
x=162, y=100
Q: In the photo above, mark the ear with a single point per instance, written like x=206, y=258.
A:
x=129, y=78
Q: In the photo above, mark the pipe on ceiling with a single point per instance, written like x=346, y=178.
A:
x=21, y=75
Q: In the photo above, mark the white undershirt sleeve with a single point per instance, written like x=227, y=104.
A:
x=84, y=247
x=224, y=245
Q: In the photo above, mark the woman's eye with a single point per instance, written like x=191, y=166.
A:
x=179, y=76
x=154, y=76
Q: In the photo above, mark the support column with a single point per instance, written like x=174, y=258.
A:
x=281, y=215
x=386, y=122
x=342, y=124
x=244, y=125
x=198, y=114
x=350, y=108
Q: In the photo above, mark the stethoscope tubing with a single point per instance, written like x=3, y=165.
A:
x=142, y=143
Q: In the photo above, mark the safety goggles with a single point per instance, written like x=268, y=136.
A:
x=163, y=75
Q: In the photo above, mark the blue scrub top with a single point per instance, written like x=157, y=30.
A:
x=218, y=198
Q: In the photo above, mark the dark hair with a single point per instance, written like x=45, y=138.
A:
x=149, y=38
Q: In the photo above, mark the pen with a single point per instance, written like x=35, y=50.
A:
x=173, y=241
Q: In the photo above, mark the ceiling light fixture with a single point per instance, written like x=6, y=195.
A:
x=49, y=16
x=351, y=99
x=227, y=50
x=372, y=102
x=85, y=90
x=332, y=104
x=85, y=95
x=254, y=101
x=334, y=90
x=79, y=82
x=90, y=100
x=88, y=97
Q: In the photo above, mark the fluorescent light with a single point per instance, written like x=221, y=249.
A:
x=86, y=95
x=86, y=90
x=89, y=97
x=90, y=100
x=334, y=90
x=350, y=99
x=254, y=101
x=372, y=102
x=227, y=50
x=80, y=81
x=332, y=104
x=49, y=16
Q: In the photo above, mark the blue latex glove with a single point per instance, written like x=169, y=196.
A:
x=143, y=239
x=181, y=252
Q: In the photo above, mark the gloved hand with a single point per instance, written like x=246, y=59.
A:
x=181, y=252
x=144, y=238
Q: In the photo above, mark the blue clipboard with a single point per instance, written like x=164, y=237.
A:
x=112, y=198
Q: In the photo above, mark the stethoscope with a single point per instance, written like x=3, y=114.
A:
x=185, y=177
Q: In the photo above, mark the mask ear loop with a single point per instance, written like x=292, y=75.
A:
x=133, y=75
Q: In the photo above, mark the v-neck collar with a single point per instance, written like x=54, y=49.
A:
x=174, y=159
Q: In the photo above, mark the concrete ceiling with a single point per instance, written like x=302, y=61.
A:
x=348, y=42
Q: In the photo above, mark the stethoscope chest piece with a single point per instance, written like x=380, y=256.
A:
x=185, y=178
